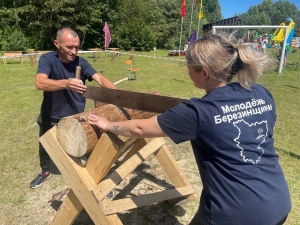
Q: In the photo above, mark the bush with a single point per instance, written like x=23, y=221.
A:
x=12, y=39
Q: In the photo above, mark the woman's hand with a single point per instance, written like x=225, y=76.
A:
x=98, y=121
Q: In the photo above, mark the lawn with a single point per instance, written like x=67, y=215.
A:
x=19, y=164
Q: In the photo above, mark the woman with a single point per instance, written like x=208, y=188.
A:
x=230, y=130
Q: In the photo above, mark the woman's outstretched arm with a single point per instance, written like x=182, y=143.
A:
x=142, y=128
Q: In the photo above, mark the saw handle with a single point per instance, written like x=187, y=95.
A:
x=78, y=72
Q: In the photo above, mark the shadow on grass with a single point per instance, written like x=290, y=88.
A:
x=290, y=86
x=293, y=155
x=163, y=213
x=182, y=81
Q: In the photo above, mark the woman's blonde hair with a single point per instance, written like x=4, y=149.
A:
x=225, y=59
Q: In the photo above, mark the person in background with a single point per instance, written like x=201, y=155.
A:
x=62, y=91
x=286, y=53
x=288, y=21
x=255, y=45
x=264, y=43
x=231, y=131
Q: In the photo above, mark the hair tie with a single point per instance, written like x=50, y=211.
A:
x=237, y=65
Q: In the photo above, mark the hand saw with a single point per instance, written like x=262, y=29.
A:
x=133, y=100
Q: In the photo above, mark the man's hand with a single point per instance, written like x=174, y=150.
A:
x=43, y=82
x=76, y=85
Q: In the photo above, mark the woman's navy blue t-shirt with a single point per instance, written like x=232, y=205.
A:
x=62, y=103
x=231, y=133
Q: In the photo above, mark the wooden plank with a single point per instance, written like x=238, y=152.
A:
x=129, y=143
x=111, y=207
x=68, y=210
x=13, y=53
x=78, y=178
x=138, y=145
x=104, y=155
x=171, y=168
x=71, y=206
x=104, y=187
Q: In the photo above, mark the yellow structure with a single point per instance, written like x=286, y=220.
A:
x=280, y=32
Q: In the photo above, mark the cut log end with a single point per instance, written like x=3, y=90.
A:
x=72, y=137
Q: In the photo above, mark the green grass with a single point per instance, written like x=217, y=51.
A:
x=20, y=103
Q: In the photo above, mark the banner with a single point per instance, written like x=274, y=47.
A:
x=201, y=15
x=107, y=35
x=193, y=37
x=183, y=8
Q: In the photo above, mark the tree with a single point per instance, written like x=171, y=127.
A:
x=12, y=39
x=212, y=10
x=139, y=24
x=134, y=30
x=269, y=13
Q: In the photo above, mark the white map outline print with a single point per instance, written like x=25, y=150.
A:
x=261, y=135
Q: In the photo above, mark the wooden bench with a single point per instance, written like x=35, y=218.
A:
x=12, y=54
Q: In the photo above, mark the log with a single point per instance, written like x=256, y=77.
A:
x=77, y=137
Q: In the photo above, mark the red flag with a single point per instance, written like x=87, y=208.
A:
x=107, y=35
x=195, y=4
x=183, y=7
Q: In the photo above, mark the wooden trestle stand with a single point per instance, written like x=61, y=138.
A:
x=88, y=189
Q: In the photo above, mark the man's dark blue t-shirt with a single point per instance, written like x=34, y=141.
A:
x=62, y=103
x=231, y=132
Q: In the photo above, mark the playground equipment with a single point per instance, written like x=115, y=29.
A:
x=279, y=32
x=257, y=27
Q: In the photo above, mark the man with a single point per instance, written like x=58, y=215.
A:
x=62, y=91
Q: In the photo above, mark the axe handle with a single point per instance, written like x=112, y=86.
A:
x=78, y=71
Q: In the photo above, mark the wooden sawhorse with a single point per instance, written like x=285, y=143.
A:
x=88, y=189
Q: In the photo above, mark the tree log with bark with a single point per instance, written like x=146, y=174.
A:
x=77, y=137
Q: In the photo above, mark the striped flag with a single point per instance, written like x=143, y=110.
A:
x=107, y=35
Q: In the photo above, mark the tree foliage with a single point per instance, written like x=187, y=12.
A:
x=212, y=10
x=272, y=13
x=139, y=24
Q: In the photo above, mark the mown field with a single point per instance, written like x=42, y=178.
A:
x=19, y=164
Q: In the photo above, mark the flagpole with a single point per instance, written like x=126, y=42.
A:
x=104, y=57
x=200, y=16
x=191, y=18
x=198, y=28
x=180, y=36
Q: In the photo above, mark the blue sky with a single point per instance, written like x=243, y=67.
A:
x=230, y=7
